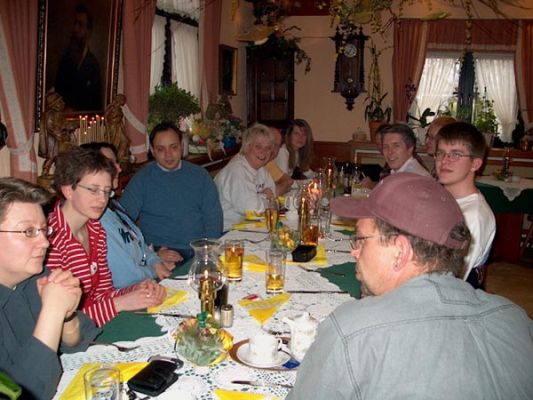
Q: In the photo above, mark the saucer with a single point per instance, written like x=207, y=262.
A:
x=242, y=355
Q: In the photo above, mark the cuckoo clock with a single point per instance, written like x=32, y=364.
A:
x=349, y=67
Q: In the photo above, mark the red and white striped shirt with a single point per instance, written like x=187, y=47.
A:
x=91, y=269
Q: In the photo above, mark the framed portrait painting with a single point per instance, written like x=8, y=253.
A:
x=227, y=70
x=78, y=54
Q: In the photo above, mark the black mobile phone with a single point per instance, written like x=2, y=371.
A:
x=156, y=377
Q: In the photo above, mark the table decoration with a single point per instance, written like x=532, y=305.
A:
x=201, y=341
x=206, y=274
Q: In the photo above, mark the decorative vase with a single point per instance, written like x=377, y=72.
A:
x=374, y=126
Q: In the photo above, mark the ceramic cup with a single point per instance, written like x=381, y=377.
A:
x=263, y=349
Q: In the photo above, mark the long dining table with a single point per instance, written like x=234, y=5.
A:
x=152, y=333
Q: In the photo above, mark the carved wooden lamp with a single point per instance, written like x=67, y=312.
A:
x=349, y=67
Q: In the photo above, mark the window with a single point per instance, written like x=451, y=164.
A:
x=175, y=56
x=452, y=84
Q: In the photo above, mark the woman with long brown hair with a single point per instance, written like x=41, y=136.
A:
x=296, y=155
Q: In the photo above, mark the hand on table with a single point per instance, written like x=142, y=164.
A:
x=162, y=270
x=269, y=194
x=169, y=257
x=145, y=294
x=60, y=289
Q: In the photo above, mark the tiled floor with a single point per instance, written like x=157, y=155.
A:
x=512, y=281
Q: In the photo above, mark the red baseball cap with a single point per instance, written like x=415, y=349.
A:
x=415, y=204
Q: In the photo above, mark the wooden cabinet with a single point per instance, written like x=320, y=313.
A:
x=270, y=84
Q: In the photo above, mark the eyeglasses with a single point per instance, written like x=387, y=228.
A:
x=95, y=191
x=34, y=232
x=357, y=241
x=453, y=156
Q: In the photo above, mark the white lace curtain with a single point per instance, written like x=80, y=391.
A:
x=496, y=74
x=185, y=57
x=439, y=79
x=158, y=52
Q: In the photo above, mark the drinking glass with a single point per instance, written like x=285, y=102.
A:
x=271, y=214
x=233, y=255
x=311, y=231
x=275, y=271
x=102, y=384
x=325, y=221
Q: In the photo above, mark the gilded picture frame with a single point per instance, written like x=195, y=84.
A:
x=78, y=54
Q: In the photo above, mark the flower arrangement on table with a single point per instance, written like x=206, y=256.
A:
x=218, y=132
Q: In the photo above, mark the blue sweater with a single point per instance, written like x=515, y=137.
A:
x=128, y=256
x=174, y=207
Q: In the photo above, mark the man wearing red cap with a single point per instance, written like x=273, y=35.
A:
x=419, y=332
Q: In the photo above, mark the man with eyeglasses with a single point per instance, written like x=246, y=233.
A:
x=459, y=155
x=419, y=332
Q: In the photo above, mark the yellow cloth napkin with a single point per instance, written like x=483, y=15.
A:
x=262, y=310
x=76, y=389
x=320, y=260
x=173, y=297
x=249, y=225
x=254, y=263
x=231, y=395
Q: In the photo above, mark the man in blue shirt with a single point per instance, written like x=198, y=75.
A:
x=173, y=200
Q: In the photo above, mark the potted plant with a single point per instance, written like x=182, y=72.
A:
x=170, y=103
x=376, y=113
x=485, y=118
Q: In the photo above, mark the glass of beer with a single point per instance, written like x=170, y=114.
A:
x=233, y=255
x=311, y=231
x=271, y=214
x=275, y=271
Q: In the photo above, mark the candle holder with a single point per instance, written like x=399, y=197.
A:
x=206, y=275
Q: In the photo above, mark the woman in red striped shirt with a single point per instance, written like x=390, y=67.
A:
x=83, y=181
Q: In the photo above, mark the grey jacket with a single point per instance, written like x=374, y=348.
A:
x=435, y=337
x=28, y=361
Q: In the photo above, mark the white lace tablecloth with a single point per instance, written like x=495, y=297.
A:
x=511, y=189
x=200, y=381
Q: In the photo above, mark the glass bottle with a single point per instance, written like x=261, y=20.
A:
x=330, y=171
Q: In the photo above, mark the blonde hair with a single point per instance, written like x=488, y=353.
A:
x=254, y=131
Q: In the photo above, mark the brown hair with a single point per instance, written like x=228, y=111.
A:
x=306, y=153
x=462, y=132
x=73, y=165
x=14, y=190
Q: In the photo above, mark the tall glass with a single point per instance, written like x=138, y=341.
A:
x=275, y=271
x=233, y=256
x=271, y=214
x=311, y=231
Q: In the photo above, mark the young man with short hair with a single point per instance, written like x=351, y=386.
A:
x=459, y=155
